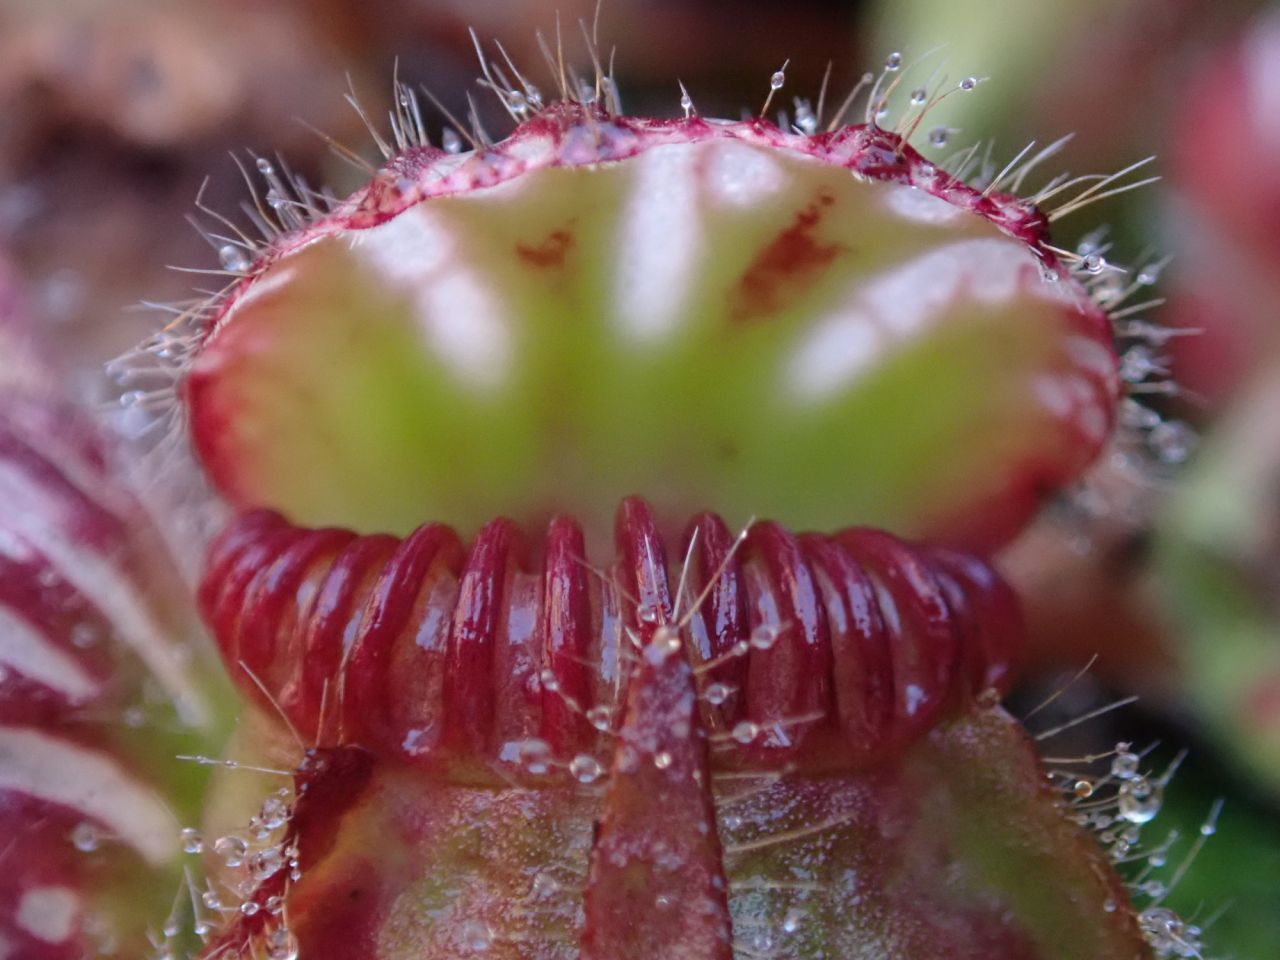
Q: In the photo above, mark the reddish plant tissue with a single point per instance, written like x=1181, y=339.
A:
x=718, y=739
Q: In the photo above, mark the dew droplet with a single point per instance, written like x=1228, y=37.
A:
x=918, y=96
x=777, y=80
x=1172, y=440
x=893, y=62
x=968, y=83
x=718, y=693
x=232, y=849
x=805, y=118
x=450, y=141
x=745, y=731
x=266, y=863
x=1138, y=805
x=600, y=718
x=1138, y=363
x=250, y=908
x=1124, y=766
x=1148, y=274
x=233, y=258
x=192, y=842
x=662, y=759
x=1094, y=264
x=282, y=945
x=534, y=756
x=585, y=768
x=85, y=837
x=764, y=637
x=274, y=813
x=1082, y=790
x=939, y=136
x=265, y=168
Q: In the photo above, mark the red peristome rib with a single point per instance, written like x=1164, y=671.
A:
x=997, y=625
x=428, y=651
x=566, y=640
x=861, y=663
x=719, y=621
x=919, y=626
x=789, y=676
x=469, y=681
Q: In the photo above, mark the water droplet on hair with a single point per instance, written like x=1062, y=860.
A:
x=1094, y=264
x=1124, y=766
x=282, y=945
x=662, y=759
x=1138, y=801
x=266, y=862
x=232, y=849
x=1172, y=440
x=265, y=168
x=939, y=136
x=1082, y=789
x=968, y=83
x=764, y=637
x=233, y=258
x=192, y=842
x=600, y=718
x=250, y=908
x=1138, y=363
x=777, y=80
x=806, y=121
x=533, y=755
x=717, y=693
x=585, y=768
x=85, y=837
x=666, y=642
x=745, y=732
x=450, y=142
x=648, y=614
x=893, y=62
